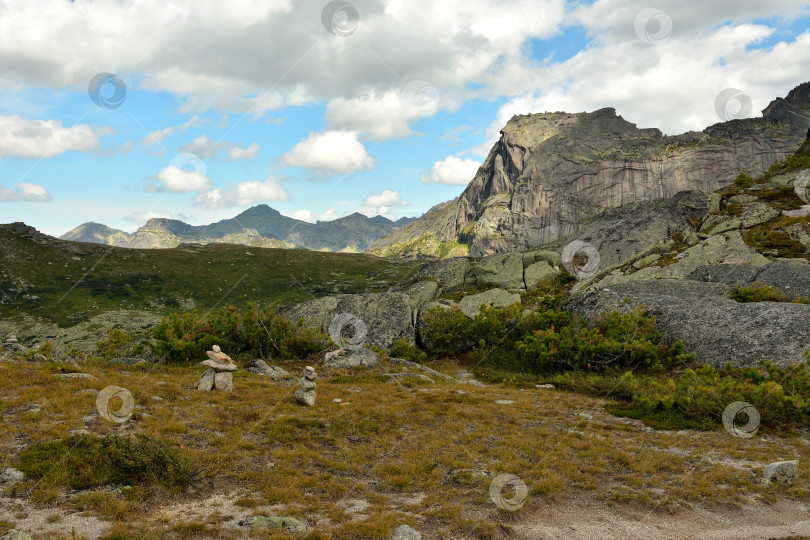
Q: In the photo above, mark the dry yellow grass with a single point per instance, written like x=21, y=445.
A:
x=381, y=457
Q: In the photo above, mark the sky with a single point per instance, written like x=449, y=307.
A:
x=116, y=111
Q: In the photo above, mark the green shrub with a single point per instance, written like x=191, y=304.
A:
x=403, y=349
x=118, y=344
x=744, y=181
x=759, y=292
x=83, y=462
x=254, y=331
x=614, y=339
x=696, y=398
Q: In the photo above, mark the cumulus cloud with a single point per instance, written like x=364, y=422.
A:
x=242, y=194
x=382, y=203
x=206, y=148
x=159, y=135
x=146, y=215
x=176, y=180
x=21, y=137
x=307, y=215
x=452, y=170
x=331, y=151
x=25, y=191
x=235, y=153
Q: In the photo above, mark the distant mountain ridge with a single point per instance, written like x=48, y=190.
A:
x=259, y=226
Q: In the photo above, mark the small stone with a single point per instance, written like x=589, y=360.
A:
x=157, y=398
x=74, y=376
x=11, y=475
x=37, y=357
x=223, y=382
x=260, y=367
x=207, y=380
x=504, y=401
x=405, y=532
x=287, y=524
x=219, y=366
x=544, y=386
x=336, y=400
x=305, y=397
x=782, y=472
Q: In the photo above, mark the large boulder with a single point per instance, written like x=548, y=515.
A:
x=716, y=328
x=505, y=270
x=450, y=274
x=498, y=298
x=384, y=318
x=537, y=273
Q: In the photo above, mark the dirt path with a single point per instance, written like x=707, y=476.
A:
x=578, y=519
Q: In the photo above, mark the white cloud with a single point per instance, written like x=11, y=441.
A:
x=452, y=170
x=206, y=148
x=176, y=180
x=307, y=215
x=159, y=135
x=146, y=215
x=382, y=203
x=235, y=153
x=332, y=151
x=25, y=191
x=20, y=137
x=242, y=194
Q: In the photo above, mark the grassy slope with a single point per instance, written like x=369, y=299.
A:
x=391, y=444
x=73, y=282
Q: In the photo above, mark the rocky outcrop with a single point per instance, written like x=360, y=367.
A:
x=360, y=319
x=549, y=173
x=717, y=329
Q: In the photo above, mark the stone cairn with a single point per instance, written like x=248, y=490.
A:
x=306, y=395
x=219, y=375
x=11, y=344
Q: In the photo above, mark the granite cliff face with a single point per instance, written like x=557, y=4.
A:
x=550, y=173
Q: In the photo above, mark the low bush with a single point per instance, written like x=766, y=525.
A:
x=254, y=331
x=83, y=462
x=548, y=340
x=759, y=292
x=696, y=398
x=118, y=344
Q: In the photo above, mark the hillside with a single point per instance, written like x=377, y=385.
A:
x=67, y=282
x=550, y=173
x=259, y=226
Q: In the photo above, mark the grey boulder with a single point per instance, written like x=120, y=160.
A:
x=711, y=325
x=375, y=319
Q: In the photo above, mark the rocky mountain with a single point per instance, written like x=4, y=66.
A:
x=260, y=226
x=550, y=173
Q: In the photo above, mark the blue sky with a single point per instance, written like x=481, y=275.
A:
x=321, y=109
